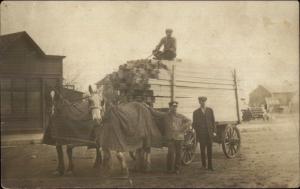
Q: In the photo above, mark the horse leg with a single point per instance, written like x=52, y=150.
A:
x=98, y=160
x=122, y=160
x=61, y=166
x=139, y=160
x=70, y=158
x=147, y=160
x=106, y=159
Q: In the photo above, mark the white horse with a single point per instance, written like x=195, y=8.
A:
x=95, y=108
x=141, y=156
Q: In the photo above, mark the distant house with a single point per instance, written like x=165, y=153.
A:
x=279, y=96
x=294, y=103
x=258, y=96
x=27, y=74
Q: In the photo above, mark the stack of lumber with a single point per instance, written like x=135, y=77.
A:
x=159, y=82
x=194, y=79
x=131, y=79
x=256, y=112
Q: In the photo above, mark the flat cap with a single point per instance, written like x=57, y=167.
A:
x=202, y=98
x=169, y=30
x=173, y=103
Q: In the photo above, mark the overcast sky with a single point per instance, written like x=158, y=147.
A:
x=259, y=39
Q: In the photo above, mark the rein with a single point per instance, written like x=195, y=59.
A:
x=66, y=101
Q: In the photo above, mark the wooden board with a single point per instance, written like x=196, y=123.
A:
x=192, y=81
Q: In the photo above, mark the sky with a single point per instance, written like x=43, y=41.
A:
x=259, y=39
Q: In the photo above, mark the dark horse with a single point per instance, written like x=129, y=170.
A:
x=65, y=117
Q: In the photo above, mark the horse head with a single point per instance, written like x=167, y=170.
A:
x=95, y=104
x=52, y=102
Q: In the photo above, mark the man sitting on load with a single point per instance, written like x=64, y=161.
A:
x=169, y=43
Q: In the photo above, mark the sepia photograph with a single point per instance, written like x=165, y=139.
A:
x=149, y=94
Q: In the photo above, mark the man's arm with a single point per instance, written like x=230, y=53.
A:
x=194, y=120
x=156, y=113
x=213, y=120
x=159, y=44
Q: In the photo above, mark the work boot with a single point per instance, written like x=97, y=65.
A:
x=203, y=167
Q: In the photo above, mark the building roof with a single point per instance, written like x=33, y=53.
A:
x=8, y=39
x=281, y=88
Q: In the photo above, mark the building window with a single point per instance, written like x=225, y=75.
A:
x=5, y=103
x=5, y=84
x=19, y=103
x=34, y=98
x=20, y=98
x=19, y=84
x=5, y=96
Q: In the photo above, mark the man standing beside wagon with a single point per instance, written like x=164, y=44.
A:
x=204, y=125
x=175, y=125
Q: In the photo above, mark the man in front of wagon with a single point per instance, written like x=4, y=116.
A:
x=204, y=125
x=175, y=125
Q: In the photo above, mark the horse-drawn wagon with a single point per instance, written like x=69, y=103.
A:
x=126, y=127
x=184, y=82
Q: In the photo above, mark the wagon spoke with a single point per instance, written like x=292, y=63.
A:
x=186, y=157
x=235, y=150
x=231, y=149
x=228, y=149
x=183, y=157
x=234, y=135
x=231, y=132
x=191, y=154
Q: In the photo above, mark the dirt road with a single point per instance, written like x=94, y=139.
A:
x=269, y=158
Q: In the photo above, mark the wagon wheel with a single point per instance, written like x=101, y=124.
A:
x=231, y=141
x=189, y=147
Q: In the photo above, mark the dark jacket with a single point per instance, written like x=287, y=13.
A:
x=202, y=121
x=169, y=44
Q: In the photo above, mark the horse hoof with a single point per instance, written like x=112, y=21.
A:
x=69, y=173
x=147, y=169
x=58, y=173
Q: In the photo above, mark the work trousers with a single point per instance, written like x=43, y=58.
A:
x=165, y=55
x=205, y=146
x=174, y=155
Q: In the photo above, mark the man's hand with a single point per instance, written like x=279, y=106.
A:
x=214, y=134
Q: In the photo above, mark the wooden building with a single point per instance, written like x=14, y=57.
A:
x=277, y=97
x=27, y=74
x=258, y=96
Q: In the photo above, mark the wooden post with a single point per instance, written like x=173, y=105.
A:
x=236, y=96
x=173, y=83
x=43, y=103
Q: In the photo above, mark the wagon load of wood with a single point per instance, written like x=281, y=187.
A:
x=131, y=79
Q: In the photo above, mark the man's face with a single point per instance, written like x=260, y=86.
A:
x=168, y=33
x=202, y=103
x=173, y=109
